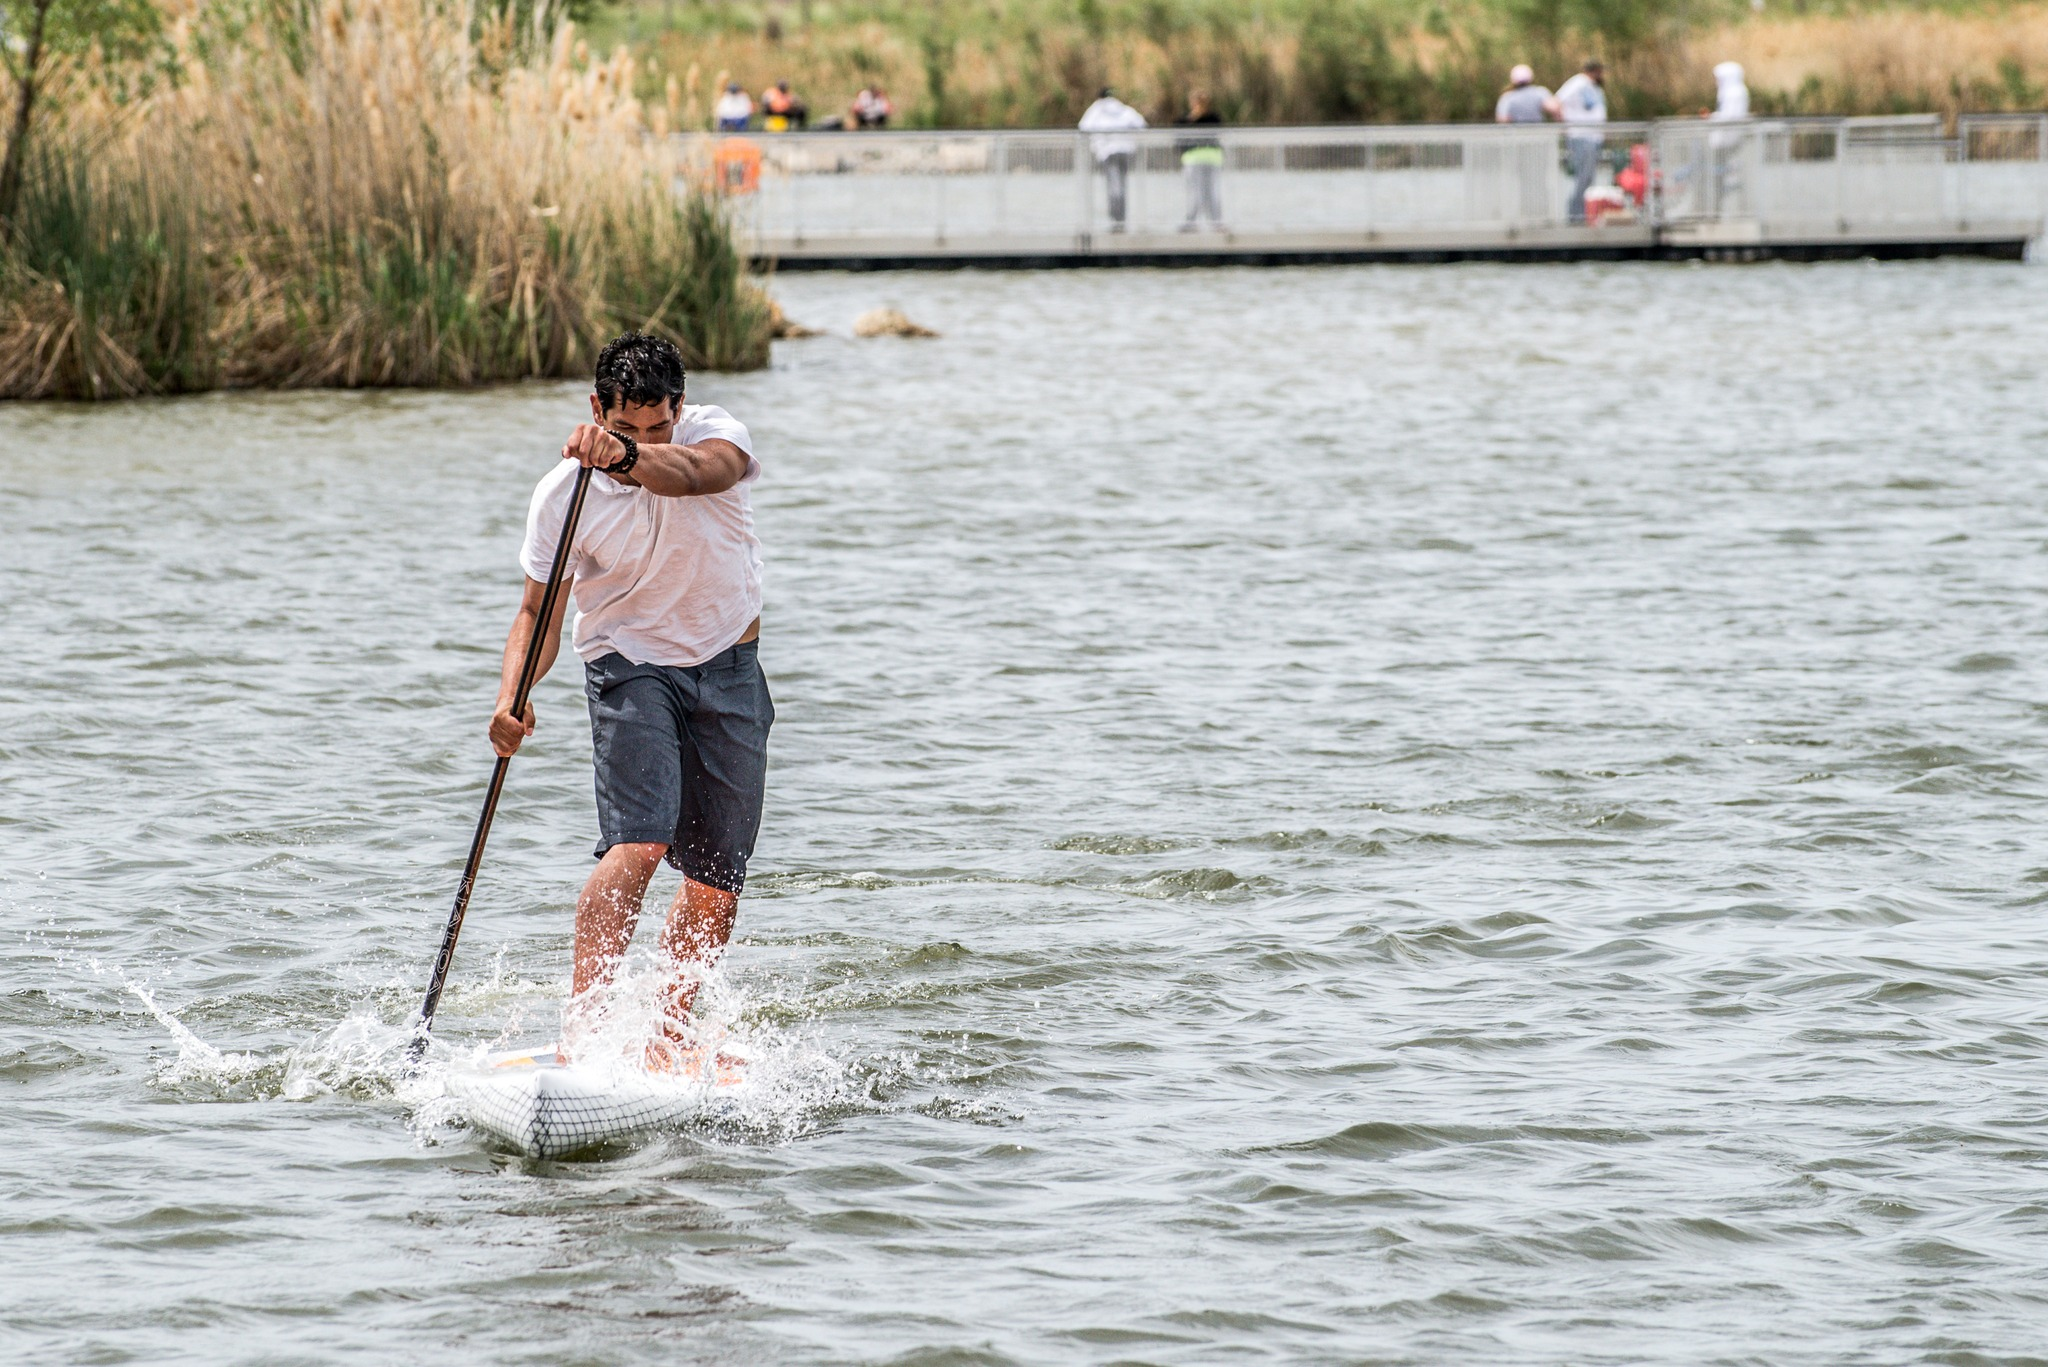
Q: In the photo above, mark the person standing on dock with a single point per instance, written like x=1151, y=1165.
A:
x=1106, y=118
x=1523, y=101
x=1731, y=92
x=665, y=571
x=1731, y=104
x=1582, y=104
x=1201, y=162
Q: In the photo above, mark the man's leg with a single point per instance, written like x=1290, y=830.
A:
x=1585, y=160
x=636, y=733
x=1212, y=195
x=1116, y=166
x=699, y=925
x=725, y=773
x=609, y=909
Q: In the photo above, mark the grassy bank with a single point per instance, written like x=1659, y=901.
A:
x=373, y=193
x=1023, y=63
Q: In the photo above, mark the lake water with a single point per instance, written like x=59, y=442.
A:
x=1393, y=815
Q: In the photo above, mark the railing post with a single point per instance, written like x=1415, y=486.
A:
x=1961, y=172
x=1842, y=158
x=1372, y=188
x=1753, y=173
x=999, y=172
x=1653, y=194
x=794, y=179
x=1085, y=200
x=2040, y=179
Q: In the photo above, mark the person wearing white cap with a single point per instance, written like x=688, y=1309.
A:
x=1523, y=101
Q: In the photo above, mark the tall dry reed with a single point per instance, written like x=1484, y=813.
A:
x=372, y=192
x=1892, y=61
x=1033, y=63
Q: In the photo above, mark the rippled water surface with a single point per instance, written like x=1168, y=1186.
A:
x=1396, y=815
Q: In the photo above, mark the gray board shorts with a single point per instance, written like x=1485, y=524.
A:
x=682, y=758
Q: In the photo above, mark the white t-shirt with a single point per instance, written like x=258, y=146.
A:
x=659, y=580
x=1582, y=102
x=1521, y=104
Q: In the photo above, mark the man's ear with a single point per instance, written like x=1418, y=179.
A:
x=596, y=410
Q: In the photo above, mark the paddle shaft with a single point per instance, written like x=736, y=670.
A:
x=548, y=597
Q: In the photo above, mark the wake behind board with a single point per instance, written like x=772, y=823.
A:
x=544, y=1105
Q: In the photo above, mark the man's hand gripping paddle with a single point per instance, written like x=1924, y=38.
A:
x=425, y=1025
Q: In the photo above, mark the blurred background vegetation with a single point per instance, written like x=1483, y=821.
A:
x=294, y=193
x=220, y=193
x=1032, y=63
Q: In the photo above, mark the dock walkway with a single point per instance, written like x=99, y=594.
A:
x=1755, y=188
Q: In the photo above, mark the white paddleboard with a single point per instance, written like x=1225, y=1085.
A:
x=542, y=1104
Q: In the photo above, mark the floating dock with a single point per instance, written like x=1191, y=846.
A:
x=1677, y=188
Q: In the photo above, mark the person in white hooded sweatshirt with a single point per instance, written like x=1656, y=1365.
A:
x=1105, y=119
x=1731, y=102
x=1731, y=92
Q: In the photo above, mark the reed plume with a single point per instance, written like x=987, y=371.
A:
x=366, y=192
x=1037, y=63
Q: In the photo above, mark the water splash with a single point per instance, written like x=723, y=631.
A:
x=790, y=1080
x=197, y=1061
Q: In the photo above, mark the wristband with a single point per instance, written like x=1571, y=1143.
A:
x=632, y=455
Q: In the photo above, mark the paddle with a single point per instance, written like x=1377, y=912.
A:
x=553, y=591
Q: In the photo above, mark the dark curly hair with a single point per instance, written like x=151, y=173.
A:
x=636, y=368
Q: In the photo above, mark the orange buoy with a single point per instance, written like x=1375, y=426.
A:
x=736, y=167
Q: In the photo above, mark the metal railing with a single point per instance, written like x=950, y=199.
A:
x=1393, y=187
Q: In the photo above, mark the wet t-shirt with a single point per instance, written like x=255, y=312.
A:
x=657, y=579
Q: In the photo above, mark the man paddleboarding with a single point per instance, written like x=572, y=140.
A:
x=665, y=570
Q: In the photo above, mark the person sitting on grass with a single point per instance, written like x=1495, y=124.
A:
x=781, y=111
x=733, y=109
x=871, y=108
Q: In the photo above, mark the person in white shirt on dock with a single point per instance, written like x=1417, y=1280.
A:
x=1524, y=101
x=1582, y=104
x=1731, y=92
x=1106, y=118
x=1731, y=102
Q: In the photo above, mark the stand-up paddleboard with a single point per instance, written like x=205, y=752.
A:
x=544, y=1105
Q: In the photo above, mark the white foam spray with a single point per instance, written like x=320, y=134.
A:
x=790, y=1081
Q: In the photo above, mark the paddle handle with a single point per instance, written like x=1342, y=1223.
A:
x=453, y=931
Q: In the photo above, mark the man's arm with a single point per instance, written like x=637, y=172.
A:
x=709, y=467
x=506, y=730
